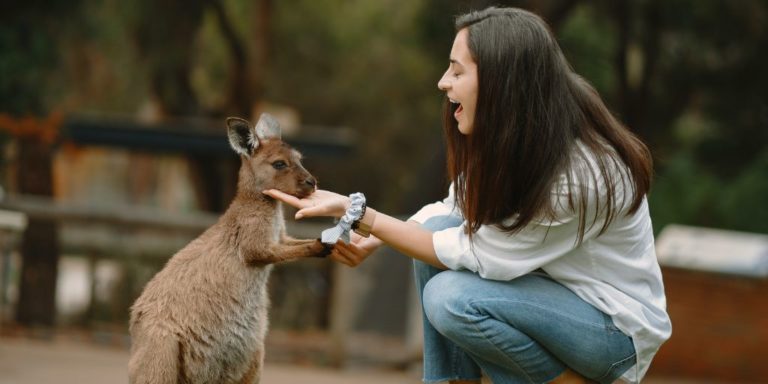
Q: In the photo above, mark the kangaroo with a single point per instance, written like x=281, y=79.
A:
x=203, y=317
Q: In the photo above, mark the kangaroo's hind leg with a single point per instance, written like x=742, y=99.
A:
x=253, y=376
x=157, y=362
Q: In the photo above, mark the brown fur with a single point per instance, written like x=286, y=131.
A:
x=203, y=317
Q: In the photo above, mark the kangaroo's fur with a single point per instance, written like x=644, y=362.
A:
x=203, y=317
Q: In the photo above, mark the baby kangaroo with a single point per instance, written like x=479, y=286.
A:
x=203, y=317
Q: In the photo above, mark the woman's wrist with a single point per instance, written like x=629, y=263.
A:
x=345, y=205
x=364, y=225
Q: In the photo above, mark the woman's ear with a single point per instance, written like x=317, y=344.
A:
x=242, y=136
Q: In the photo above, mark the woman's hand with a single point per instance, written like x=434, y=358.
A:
x=358, y=249
x=326, y=203
x=320, y=203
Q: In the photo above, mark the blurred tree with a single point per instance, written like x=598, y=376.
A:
x=709, y=98
x=165, y=33
x=249, y=55
x=689, y=76
x=28, y=40
x=360, y=65
x=743, y=203
x=555, y=12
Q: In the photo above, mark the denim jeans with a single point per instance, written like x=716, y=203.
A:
x=527, y=330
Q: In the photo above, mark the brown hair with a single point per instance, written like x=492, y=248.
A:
x=532, y=109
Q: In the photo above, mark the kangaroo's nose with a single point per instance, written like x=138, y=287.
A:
x=311, y=181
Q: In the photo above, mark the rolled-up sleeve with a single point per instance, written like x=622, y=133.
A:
x=499, y=255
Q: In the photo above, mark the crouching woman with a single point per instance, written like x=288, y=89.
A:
x=541, y=258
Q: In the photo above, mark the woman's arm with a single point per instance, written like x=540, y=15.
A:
x=407, y=237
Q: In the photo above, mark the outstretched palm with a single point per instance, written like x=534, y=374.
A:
x=320, y=203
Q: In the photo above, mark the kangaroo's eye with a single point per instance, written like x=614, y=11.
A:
x=279, y=164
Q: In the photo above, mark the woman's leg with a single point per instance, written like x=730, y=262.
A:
x=526, y=330
x=443, y=360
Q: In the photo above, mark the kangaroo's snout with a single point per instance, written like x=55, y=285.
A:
x=306, y=187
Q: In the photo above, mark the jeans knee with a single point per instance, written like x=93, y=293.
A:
x=445, y=305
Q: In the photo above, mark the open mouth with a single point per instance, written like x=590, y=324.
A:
x=457, y=108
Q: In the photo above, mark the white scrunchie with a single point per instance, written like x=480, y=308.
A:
x=344, y=226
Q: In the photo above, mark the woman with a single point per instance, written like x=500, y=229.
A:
x=542, y=257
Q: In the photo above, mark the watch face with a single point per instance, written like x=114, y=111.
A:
x=362, y=229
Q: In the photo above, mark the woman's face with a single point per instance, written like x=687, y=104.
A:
x=460, y=82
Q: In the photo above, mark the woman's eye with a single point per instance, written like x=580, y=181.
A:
x=456, y=75
x=279, y=164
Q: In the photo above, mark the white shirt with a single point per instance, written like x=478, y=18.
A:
x=617, y=271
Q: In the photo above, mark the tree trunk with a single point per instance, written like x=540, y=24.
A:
x=39, y=248
x=215, y=179
x=249, y=57
x=261, y=47
x=621, y=15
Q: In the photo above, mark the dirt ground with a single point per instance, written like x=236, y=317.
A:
x=25, y=361
x=30, y=361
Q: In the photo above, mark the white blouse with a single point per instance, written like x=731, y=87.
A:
x=617, y=271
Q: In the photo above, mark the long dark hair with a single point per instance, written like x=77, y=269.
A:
x=531, y=112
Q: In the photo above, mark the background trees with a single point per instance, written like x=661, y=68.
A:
x=688, y=76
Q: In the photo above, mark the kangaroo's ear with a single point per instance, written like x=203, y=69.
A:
x=242, y=136
x=267, y=127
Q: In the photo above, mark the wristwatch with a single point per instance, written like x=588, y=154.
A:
x=363, y=226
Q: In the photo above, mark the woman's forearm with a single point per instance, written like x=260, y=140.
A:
x=407, y=237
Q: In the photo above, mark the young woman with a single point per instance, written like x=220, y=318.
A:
x=542, y=257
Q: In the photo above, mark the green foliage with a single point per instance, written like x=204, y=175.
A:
x=588, y=42
x=744, y=203
x=29, y=52
x=372, y=66
x=685, y=193
x=360, y=65
x=211, y=70
x=714, y=63
x=19, y=83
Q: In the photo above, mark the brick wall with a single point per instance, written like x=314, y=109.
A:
x=719, y=327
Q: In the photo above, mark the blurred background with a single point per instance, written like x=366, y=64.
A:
x=113, y=156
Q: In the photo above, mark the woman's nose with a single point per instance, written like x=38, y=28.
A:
x=443, y=84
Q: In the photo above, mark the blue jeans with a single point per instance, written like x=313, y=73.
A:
x=527, y=330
